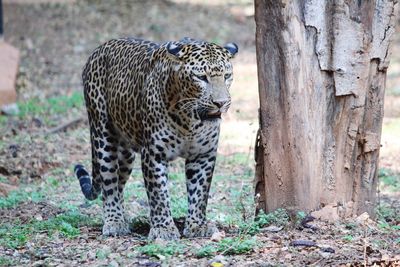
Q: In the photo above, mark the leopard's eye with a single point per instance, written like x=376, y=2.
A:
x=227, y=76
x=202, y=77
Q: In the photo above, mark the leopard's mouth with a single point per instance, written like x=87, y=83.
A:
x=213, y=116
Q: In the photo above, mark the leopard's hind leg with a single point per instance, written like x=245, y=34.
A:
x=105, y=143
x=115, y=222
x=126, y=157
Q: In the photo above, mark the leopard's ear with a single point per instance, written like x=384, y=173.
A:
x=175, y=50
x=232, y=49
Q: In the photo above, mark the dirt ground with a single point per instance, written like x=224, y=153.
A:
x=50, y=223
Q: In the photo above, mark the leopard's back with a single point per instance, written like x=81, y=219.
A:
x=113, y=80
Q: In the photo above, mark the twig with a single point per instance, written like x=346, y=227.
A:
x=242, y=207
x=64, y=125
x=365, y=245
x=303, y=243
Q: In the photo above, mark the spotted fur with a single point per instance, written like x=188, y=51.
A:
x=163, y=101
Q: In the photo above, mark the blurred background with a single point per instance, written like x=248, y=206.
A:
x=56, y=37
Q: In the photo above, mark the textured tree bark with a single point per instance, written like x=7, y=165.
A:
x=322, y=70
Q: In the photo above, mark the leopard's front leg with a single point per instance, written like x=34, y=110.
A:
x=155, y=168
x=199, y=172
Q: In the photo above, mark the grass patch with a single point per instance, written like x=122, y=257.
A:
x=3, y=179
x=50, y=106
x=176, y=176
x=348, y=238
x=3, y=121
x=19, y=196
x=236, y=245
x=179, y=206
x=389, y=180
x=163, y=250
x=4, y=261
x=388, y=217
x=278, y=217
x=14, y=235
x=102, y=254
x=228, y=246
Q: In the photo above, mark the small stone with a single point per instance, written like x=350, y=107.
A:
x=91, y=255
x=38, y=263
x=325, y=255
x=217, y=236
x=10, y=109
x=219, y=258
x=363, y=218
x=113, y=263
x=385, y=258
x=328, y=213
x=273, y=228
x=161, y=257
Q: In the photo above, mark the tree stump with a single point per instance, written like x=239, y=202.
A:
x=322, y=70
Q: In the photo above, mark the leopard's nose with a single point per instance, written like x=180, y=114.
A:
x=219, y=104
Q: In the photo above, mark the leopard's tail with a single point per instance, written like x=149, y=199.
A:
x=90, y=190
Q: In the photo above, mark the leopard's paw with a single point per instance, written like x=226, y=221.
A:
x=169, y=232
x=206, y=229
x=117, y=228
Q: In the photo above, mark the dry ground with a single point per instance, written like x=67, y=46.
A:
x=48, y=222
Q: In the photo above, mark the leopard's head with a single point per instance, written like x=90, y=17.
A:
x=203, y=72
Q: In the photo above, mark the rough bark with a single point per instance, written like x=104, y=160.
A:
x=322, y=70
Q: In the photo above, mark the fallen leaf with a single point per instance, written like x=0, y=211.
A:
x=5, y=189
x=216, y=264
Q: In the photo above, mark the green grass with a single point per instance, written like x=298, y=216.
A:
x=348, y=238
x=278, y=217
x=3, y=121
x=179, y=206
x=103, y=253
x=241, y=244
x=50, y=106
x=236, y=245
x=166, y=250
x=5, y=261
x=228, y=246
x=388, y=217
x=389, y=180
x=3, y=179
x=15, y=235
x=19, y=196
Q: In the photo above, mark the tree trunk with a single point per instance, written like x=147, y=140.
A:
x=322, y=70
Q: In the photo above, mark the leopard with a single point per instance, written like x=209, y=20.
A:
x=161, y=101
